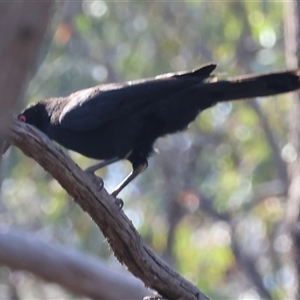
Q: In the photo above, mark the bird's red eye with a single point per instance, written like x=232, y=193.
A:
x=22, y=118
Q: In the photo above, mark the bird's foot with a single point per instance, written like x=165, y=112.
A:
x=96, y=180
x=157, y=297
x=119, y=202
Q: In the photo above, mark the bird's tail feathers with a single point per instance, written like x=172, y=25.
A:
x=254, y=86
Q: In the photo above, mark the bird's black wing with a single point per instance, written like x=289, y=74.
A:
x=90, y=108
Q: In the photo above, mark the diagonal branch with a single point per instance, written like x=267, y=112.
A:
x=124, y=240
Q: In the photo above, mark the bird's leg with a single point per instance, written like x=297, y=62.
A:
x=102, y=164
x=91, y=170
x=136, y=171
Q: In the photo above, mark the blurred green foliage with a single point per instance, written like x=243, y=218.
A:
x=96, y=42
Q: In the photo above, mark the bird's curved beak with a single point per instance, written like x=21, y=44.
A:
x=5, y=146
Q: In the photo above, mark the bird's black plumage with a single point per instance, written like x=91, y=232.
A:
x=122, y=121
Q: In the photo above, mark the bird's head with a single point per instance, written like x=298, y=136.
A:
x=36, y=115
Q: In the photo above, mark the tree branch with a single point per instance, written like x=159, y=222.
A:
x=116, y=227
x=80, y=273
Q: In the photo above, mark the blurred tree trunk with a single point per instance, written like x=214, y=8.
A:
x=292, y=35
x=23, y=26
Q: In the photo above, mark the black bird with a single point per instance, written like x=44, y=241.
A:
x=118, y=121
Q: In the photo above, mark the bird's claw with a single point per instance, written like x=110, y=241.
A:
x=98, y=181
x=119, y=202
x=153, y=298
x=100, y=184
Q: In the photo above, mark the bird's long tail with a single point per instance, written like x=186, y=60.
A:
x=254, y=86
